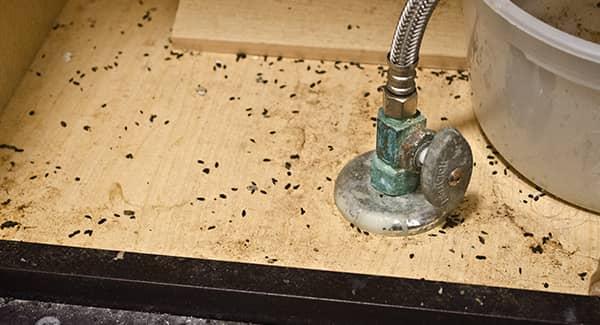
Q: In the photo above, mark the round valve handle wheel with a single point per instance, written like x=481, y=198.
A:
x=446, y=169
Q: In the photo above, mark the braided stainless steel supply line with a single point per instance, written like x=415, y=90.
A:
x=400, y=93
x=410, y=30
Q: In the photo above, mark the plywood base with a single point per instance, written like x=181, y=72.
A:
x=350, y=30
x=132, y=145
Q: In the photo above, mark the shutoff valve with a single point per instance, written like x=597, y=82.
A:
x=415, y=176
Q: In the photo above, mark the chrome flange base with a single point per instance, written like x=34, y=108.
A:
x=375, y=212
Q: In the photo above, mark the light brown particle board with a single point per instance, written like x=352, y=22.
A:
x=24, y=25
x=349, y=30
x=233, y=124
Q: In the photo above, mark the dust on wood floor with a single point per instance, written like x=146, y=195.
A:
x=116, y=140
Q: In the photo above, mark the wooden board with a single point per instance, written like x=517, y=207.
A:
x=24, y=25
x=255, y=116
x=351, y=30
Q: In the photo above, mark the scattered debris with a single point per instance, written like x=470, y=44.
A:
x=120, y=256
x=11, y=147
x=537, y=249
x=9, y=224
x=201, y=91
x=67, y=56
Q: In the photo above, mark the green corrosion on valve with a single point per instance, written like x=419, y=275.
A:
x=390, y=172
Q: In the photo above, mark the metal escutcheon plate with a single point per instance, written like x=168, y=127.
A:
x=447, y=168
x=374, y=212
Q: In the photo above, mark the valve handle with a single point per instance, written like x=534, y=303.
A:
x=446, y=169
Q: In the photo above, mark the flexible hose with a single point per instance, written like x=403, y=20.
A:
x=401, y=29
x=409, y=32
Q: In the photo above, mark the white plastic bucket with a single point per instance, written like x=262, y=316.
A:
x=537, y=94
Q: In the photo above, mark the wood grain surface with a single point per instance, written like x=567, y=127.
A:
x=349, y=30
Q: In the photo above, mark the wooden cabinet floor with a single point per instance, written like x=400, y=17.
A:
x=116, y=140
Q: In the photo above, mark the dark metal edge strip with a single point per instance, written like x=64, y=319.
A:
x=266, y=294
